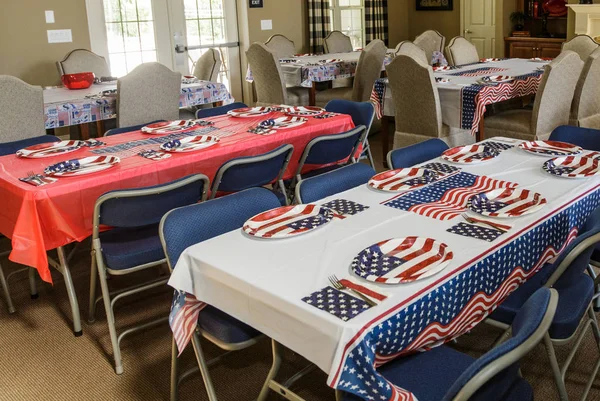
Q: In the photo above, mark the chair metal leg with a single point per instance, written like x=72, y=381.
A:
x=560, y=384
x=63, y=267
x=5, y=292
x=210, y=390
x=273, y=372
x=370, y=155
x=32, y=285
x=174, y=371
x=593, y=275
x=93, y=284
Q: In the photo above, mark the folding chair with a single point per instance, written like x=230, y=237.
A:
x=333, y=182
x=416, y=154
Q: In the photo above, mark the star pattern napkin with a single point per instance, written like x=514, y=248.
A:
x=475, y=231
x=499, y=145
x=442, y=168
x=154, y=155
x=343, y=207
x=308, y=223
x=337, y=303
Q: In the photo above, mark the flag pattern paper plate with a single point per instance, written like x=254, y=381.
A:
x=189, y=143
x=285, y=122
x=497, y=79
x=49, y=149
x=470, y=154
x=287, y=221
x=552, y=148
x=168, y=127
x=490, y=60
x=572, y=167
x=443, y=68
x=304, y=111
x=87, y=165
x=440, y=80
x=402, y=260
x=506, y=202
x=402, y=179
x=248, y=112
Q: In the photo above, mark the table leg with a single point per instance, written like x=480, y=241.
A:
x=63, y=268
x=100, y=128
x=480, y=135
x=84, y=130
x=312, y=95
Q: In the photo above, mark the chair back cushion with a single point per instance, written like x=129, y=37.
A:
x=333, y=148
x=420, y=113
x=552, y=106
x=337, y=42
x=336, y=181
x=368, y=70
x=21, y=110
x=208, y=66
x=408, y=48
x=82, y=60
x=417, y=153
x=281, y=46
x=460, y=51
x=268, y=78
x=150, y=92
x=585, y=110
x=587, y=138
x=583, y=45
x=218, y=111
x=10, y=148
x=430, y=41
x=362, y=113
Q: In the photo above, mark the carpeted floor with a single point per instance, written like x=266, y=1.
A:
x=40, y=359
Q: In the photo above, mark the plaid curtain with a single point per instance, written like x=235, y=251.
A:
x=319, y=24
x=376, y=20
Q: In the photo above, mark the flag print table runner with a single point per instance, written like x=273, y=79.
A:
x=479, y=72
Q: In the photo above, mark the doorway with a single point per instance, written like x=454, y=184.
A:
x=478, y=25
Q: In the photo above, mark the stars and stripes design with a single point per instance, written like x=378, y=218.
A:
x=154, y=155
x=507, y=202
x=552, y=148
x=470, y=154
x=456, y=302
x=572, y=167
x=168, y=127
x=83, y=166
x=287, y=221
x=475, y=231
x=270, y=126
x=447, y=198
x=402, y=260
x=304, y=111
x=442, y=169
x=498, y=145
x=249, y=112
x=378, y=96
x=189, y=143
x=402, y=179
x=343, y=207
x=337, y=303
x=479, y=72
x=49, y=149
x=183, y=318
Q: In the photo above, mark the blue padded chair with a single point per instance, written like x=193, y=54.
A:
x=186, y=226
x=255, y=171
x=416, y=154
x=362, y=113
x=576, y=291
x=133, y=243
x=330, y=149
x=218, y=111
x=492, y=377
x=124, y=130
x=333, y=182
x=587, y=138
x=10, y=148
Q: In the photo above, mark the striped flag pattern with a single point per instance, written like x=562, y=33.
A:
x=552, y=148
x=507, y=202
x=402, y=179
x=287, y=221
x=572, y=167
x=183, y=318
x=470, y=154
x=479, y=72
x=49, y=149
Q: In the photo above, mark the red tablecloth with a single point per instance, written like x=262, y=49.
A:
x=38, y=219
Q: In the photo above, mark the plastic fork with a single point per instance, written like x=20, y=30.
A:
x=337, y=284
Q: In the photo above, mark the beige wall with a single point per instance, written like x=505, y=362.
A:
x=398, y=21
x=24, y=48
x=289, y=19
x=446, y=22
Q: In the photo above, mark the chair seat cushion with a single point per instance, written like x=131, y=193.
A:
x=326, y=96
x=126, y=248
x=224, y=327
x=573, y=301
x=512, y=120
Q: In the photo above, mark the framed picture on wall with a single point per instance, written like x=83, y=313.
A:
x=434, y=5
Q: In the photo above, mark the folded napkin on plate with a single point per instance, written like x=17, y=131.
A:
x=498, y=145
x=441, y=168
x=93, y=143
x=325, y=115
x=475, y=231
x=371, y=291
x=38, y=180
x=205, y=123
x=343, y=207
x=337, y=303
x=154, y=155
x=67, y=165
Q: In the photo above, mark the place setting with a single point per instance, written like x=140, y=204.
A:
x=71, y=168
x=272, y=125
x=550, y=148
x=249, y=112
x=403, y=179
x=470, y=154
x=52, y=149
x=169, y=127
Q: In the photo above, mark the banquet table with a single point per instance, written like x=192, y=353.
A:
x=264, y=282
x=41, y=218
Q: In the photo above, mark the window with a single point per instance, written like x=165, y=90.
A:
x=347, y=16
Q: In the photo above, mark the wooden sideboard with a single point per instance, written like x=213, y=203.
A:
x=523, y=47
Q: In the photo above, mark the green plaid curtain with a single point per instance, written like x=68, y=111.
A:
x=376, y=20
x=319, y=24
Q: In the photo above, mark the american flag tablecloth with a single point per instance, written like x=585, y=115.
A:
x=263, y=283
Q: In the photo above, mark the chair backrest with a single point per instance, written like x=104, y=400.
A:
x=430, y=41
x=337, y=42
x=208, y=66
x=21, y=110
x=10, y=148
x=552, y=106
x=328, y=149
x=420, y=113
x=141, y=207
x=252, y=171
x=587, y=138
x=268, y=78
x=189, y=225
x=416, y=154
x=460, y=51
x=150, y=92
x=528, y=329
x=583, y=45
x=218, y=111
x=333, y=182
x=585, y=110
x=82, y=60
x=362, y=113
x=124, y=130
x=281, y=46
x=408, y=48
x=368, y=70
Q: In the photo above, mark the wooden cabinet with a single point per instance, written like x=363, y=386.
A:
x=532, y=47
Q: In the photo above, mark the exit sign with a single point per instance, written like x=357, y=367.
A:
x=256, y=3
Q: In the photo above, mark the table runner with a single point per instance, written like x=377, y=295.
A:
x=64, y=107
x=263, y=286
x=43, y=218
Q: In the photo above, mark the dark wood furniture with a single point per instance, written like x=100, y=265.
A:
x=528, y=47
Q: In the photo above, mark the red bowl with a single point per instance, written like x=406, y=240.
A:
x=556, y=8
x=80, y=80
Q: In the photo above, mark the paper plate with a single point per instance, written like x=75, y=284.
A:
x=304, y=111
x=440, y=80
x=168, y=127
x=402, y=260
x=87, y=165
x=540, y=59
x=49, y=149
x=470, y=154
x=572, y=166
x=287, y=221
x=497, y=79
x=402, y=179
x=506, y=202
x=248, y=112
x=189, y=144
x=490, y=60
x=442, y=68
x=552, y=148
x=283, y=122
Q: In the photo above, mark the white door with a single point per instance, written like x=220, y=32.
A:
x=479, y=25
